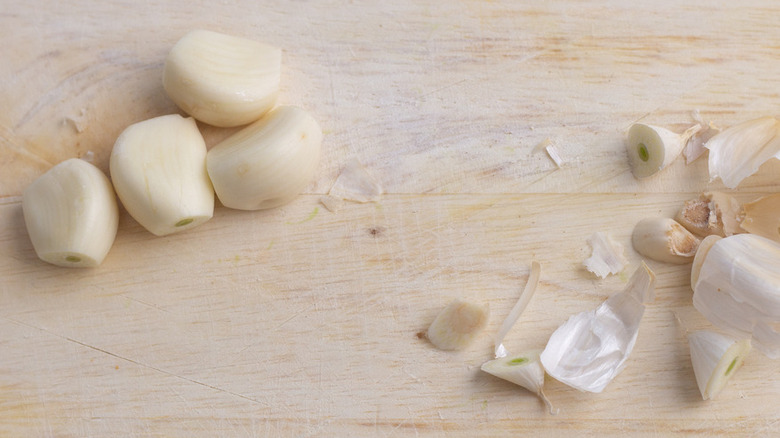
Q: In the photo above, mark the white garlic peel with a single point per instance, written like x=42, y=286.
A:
x=268, y=163
x=715, y=359
x=652, y=148
x=521, y=369
x=606, y=257
x=222, y=80
x=518, y=308
x=457, y=325
x=710, y=213
x=736, y=286
x=71, y=214
x=664, y=240
x=592, y=347
x=158, y=167
x=354, y=183
x=740, y=150
x=762, y=217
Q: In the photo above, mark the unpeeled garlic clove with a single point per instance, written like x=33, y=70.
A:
x=664, y=240
x=71, y=214
x=222, y=80
x=158, y=167
x=457, y=325
x=710, y=213
x=268, y=163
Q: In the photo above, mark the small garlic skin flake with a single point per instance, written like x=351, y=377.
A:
x=354, y=183
x=607, y=256
x=592, y=347
x=736, y=286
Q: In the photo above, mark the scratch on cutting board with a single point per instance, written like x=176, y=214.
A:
x=135, y=362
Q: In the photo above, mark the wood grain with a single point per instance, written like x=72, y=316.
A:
x=303, y=322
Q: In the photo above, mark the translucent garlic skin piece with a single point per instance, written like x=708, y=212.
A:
x=740, y=150
x=737, y=288
x=607, y=256
x=591, y=348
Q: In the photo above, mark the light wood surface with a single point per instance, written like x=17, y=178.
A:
x=303, y=322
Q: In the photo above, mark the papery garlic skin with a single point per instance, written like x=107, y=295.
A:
x=715, y=359
x=158, y=167
x=457, y=325
x=606, y=257
x=762, y=217
x=221, y=79
x=740, y=150
x=71, y=214
x=664, y=240
x=737, y=288
x=591, y=348
x=268, y=163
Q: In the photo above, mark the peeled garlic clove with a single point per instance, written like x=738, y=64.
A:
x=664, y=240
x=268, y=163
x=158, y=167
x=222, y=80
x=711, y=213
x=715, y=358
x=740, y=150
x=457, y=325
x=652, y=148
x=71, y=214
x=762, y=217
x=737, y=288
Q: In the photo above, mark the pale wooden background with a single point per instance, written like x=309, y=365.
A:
x=269, y=324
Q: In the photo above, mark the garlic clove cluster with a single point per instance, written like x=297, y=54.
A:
x=158, y=167
x=71, y=214
x=267, y=163
x=222, y=80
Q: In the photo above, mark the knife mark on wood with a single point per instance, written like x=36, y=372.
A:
x=135, y=362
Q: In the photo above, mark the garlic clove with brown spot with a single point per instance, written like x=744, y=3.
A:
x=664, y=240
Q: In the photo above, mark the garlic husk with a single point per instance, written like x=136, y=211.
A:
x=158, y=168
x=710, y=213
x=521, y=369
x=740, y=150
x=701, y=254
x=592, y=347
x=268, y=163
x=606, y=257
x=457, y=325
x=737, y=288
x=221, y=79
x=695, y=146
x=715, y=358
x=518, y=308
x=664, y=240
x=652, y=148
x=71, y=214
x=355, y=183
x=762, y=217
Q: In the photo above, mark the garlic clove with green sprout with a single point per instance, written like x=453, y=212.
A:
x=736, y=286
x=268, y=163
x=521, y=369
x=158, y=167
x=71, y=214
x=652, y=148
x=221, y=79
x=715, y=359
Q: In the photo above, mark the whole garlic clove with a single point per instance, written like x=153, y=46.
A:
x=268, y=163
x=158, y=167
x=221, y=79
x=664, y=240
x=71, y=214
x=457, y=325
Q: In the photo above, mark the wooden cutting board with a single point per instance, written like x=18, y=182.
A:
x=304, y=322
